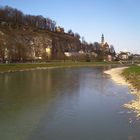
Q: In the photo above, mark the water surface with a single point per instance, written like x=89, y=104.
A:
x=65, y=104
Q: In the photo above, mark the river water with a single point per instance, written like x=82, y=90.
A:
x=65, y=104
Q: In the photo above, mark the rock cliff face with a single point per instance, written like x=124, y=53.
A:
x=29, y=45
x=61, y=44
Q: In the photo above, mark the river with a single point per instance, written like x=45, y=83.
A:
x=65, y=104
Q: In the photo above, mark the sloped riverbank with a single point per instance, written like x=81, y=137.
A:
x=117, y=74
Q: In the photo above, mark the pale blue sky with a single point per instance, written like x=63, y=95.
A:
x=119, y=20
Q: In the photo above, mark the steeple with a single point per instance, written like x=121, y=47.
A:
x=102, y=39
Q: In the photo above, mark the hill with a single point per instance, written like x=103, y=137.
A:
x=29, y=38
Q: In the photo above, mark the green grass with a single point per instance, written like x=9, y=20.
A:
x=133, y=69
x=132, y=74
x=25, y=66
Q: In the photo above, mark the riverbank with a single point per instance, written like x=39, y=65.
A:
x=129, y=76
x=132, y=75
x=126, y=76
x=31, y=66
x=115, y=74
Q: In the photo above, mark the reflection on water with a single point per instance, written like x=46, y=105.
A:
x=64, y=104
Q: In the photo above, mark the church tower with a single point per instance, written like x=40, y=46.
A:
x=102, y=39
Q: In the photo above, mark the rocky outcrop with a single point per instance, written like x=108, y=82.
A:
x=30, y=45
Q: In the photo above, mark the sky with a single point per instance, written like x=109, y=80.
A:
x=118, y=20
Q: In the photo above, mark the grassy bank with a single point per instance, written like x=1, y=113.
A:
x=28, y=66
x=132, y=74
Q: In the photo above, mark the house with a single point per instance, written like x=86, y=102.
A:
x=59, y=29
x=124, y=55
x=136, y=58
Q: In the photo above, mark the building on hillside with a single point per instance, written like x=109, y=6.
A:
x=105, y=48
x=59, y=29
x=124, y=55
x=104, y=45
x=102, y=40
x=136, y=57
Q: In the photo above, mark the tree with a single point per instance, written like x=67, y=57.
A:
x=96, y=47
x=70, y=32
x=2, y=51
x=77, y=35
x=112, y=50
x=16, y=17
